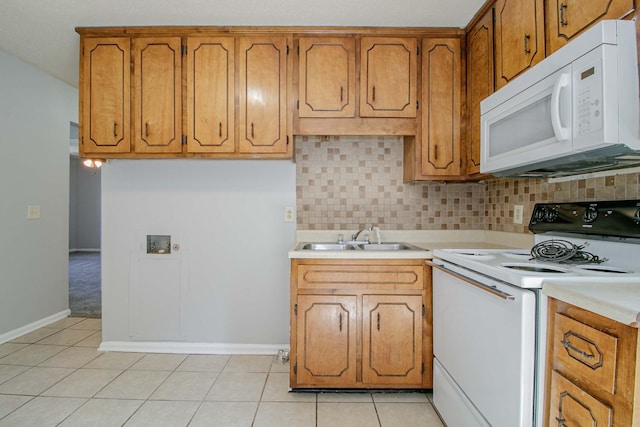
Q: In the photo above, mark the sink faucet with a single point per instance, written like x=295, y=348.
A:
x=378, y=238
x=355, y=235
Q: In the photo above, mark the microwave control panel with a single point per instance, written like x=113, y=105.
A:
x=587, y=86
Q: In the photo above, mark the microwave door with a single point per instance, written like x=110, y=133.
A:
x=531, y=126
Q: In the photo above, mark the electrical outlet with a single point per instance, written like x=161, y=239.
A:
x=517, y=214
x=289, y=214
x=33, y=212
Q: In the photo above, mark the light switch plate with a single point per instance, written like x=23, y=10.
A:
x=33, y=212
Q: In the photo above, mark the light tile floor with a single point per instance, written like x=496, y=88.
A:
x=55, y=376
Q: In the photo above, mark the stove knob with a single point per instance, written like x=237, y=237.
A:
x=551, y=215
x=590, y=214
x=540, y=214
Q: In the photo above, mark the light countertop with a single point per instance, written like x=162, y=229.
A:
x=427, y=240
x=618, y=299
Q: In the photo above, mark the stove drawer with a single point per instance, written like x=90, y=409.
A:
x=585, y=352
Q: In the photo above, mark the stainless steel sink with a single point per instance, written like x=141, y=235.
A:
x=357, y=247
x=325, y=247
x=390, y=247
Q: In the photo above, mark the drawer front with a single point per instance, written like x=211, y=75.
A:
x=587, y=353
x=391, y=277
x=569, y=405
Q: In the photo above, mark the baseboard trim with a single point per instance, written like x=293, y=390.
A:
x=18, y=332
x=191, y=348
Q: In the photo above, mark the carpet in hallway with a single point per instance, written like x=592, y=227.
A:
x=85, y=298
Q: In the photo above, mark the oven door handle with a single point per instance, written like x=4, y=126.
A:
x=490, y=289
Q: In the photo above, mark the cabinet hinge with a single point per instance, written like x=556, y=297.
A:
x=184, y=139
x=295, y=309
x=417, y=50
x=423, y=310
x=417, y=105
x=295, y=368
x=298, y=104
x=287, y=49
x=183, y=49
x=298, y=50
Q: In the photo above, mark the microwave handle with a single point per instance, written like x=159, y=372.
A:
x=562, y=133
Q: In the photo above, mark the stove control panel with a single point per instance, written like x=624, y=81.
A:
x=619, y=218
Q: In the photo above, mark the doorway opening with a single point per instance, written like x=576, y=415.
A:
x=85, y=294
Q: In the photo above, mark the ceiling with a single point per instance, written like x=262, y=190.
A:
x=42, y=32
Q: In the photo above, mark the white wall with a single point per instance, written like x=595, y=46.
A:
x=84, y=206
x=35, y=111
x=228, y=217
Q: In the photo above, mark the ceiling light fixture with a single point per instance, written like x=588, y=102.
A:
x=93, y=163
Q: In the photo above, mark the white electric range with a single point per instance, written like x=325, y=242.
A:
x=489, y=314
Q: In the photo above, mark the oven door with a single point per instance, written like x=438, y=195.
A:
x=484, y=346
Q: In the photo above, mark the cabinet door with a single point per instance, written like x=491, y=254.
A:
x=210, y=95
x=519, y=37
x=327, y=75
x=392, y=341
x=105, y=92
x=157, y=95
x=441, y=112
x=326, y=340
x=263, y=93
x=572, y=406
x=568, y=18
x=388, y=77
x=479, y=83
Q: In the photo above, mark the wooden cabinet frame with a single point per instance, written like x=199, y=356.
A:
x=326, y=290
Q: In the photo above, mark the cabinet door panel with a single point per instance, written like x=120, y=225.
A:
x=105, y=90
x=568, y=18
x=519, y=41
x=441, y=112
x=479, y=83
x=392, y=341
x=263, y=91
x=327, y=77
x=210, y=95
x=388, y=77
x=326, y=328
x=572, y=406
x=157, y=95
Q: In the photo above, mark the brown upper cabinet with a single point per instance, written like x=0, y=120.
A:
x=519, y=37
x=435, y=152
x=263, y=109
x=568, y=18
x=388, y=77
x=177, y=92
x=441, y=115
x=327, y=76
x=210, y=95
x=157, y=95
x=105, y=87
x=480, y=78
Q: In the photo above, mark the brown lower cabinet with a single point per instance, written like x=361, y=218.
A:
x=592, y=369
x=360, y=324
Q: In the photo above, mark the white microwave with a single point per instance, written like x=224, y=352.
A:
x=576, y=111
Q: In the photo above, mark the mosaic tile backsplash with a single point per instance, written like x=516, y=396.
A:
x=345, y=183
x=350, y=182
